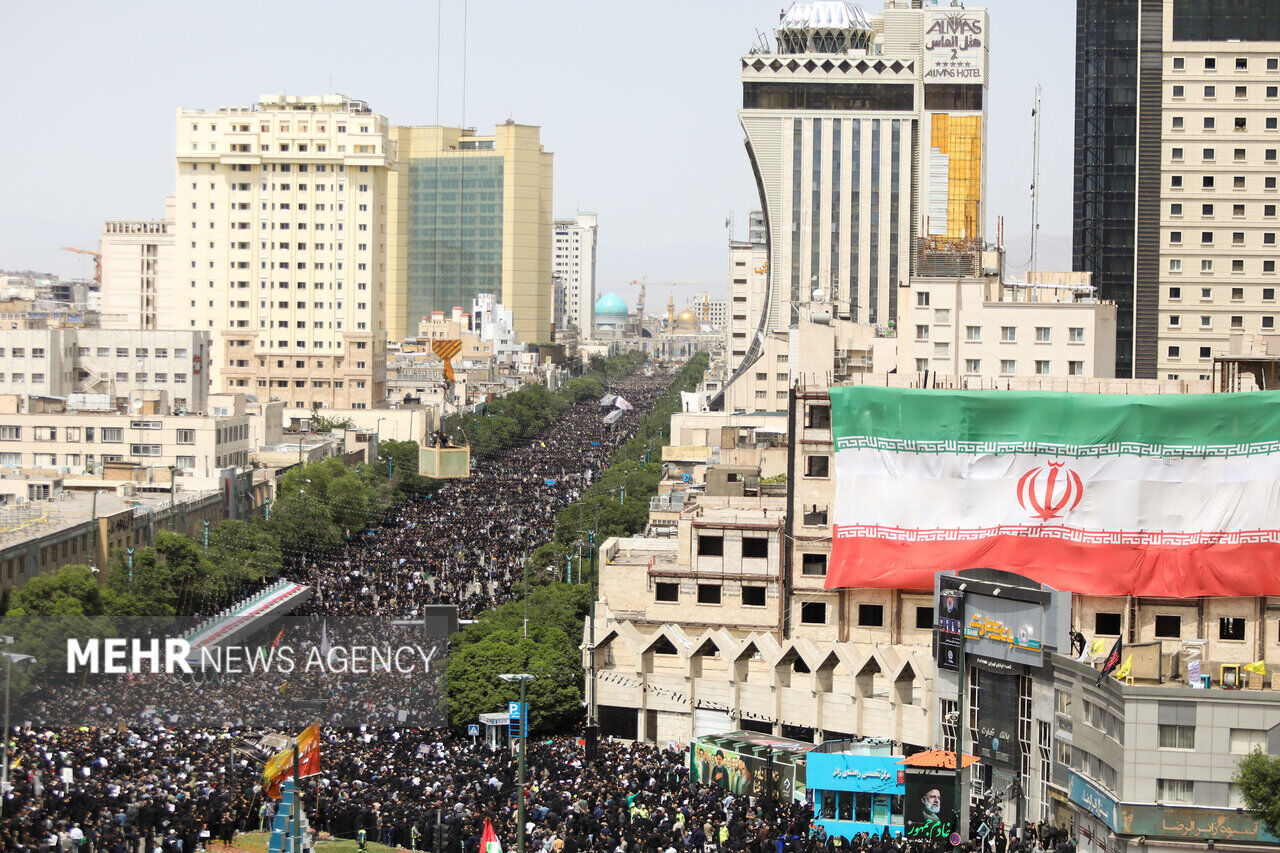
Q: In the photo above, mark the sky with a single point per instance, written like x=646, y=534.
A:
x=638, y=102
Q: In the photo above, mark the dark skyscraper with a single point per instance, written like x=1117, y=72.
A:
x=1106, y=157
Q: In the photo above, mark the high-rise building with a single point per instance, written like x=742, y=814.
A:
x=280, y=246
x=574, y=263
x=1175, y=179
x=137, y=273
x=470, y=214
x=748, y=286
x=866, y=134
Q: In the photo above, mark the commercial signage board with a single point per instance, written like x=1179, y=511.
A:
x=1093, y=800
x=955, y=46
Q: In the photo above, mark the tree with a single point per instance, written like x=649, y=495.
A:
x=244, y=552
x=1258, y=776
x=50, y=608
x=496, y=644
x=398, y=462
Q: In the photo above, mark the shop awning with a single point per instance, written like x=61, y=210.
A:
x=938, y=759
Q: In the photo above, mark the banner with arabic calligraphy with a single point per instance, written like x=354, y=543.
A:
x=1174, y=495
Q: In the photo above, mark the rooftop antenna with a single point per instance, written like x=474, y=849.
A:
x=1035, y=184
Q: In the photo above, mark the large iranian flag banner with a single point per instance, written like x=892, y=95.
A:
x=1156, y=495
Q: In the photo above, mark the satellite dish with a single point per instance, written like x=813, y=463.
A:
x=135, y=405
x=818, y=294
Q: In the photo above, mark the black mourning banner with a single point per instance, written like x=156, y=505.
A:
x=998, y=719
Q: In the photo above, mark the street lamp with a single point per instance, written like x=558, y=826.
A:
x=524, y=678
x=9, y=658
x=377, y=439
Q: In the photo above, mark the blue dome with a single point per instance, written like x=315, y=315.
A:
x=611, y=305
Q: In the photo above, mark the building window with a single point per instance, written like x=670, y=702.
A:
x=924, y=618
x=1008, y=334
x=1042, y=368
x=1075, y=368
x=186, y=463
x=922, y=332
x=755, y=547
x=973, y=365
x=1177, y=737
x=1168, y=627
x=922, y=298
x=708, y=593
x=1245, y=741
x=1106, y=624
x=813, y=613
x=871, y=615
x=666, y=592
x=813, y=564
x=819, y=417
x=1175, y=352
x=710, y=546
x=1175, y=791
x=753, y=596
x=817, y=465
x=973, y=333
x=1007, y=366
x=1231, y=628
x=46, y=433
x=186, y=436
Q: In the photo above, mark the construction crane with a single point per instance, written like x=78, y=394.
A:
x=97, y=262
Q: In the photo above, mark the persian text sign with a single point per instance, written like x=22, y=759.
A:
x=955, y=46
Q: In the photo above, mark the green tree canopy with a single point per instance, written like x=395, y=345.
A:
x=1258, y=776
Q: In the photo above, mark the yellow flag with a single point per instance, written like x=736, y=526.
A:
x=1258, y=666
x=1123, y=671
x=1098, y=647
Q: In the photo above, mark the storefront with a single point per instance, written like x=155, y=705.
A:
x=856, y=793
x=1095, y=817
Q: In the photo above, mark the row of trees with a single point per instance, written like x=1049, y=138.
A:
x=525, y=413
x=617, y=504
x=161, y=588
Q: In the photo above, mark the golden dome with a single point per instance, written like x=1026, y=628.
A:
x=686, y=318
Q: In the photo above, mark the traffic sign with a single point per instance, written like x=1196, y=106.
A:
x=955, y=839
x=513, y=710
x=473, y=730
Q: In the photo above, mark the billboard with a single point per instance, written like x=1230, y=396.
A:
x=1004, y=629
x=955, y=46
x=998, y=698
x=930, y=805
x=744, y=774
x=949, y=628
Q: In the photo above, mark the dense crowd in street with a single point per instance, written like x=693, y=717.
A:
x=464, y=544
x=158, y=765
x=175, y=790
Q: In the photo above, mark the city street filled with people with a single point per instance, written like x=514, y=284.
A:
x=157, y=764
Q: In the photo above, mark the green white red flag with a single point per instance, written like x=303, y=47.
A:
x=1155, y=495
x=489, y=839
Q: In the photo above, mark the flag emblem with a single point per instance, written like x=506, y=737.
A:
x=1049, y=491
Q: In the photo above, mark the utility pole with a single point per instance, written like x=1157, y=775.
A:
x=962, y=821
x=523, y=678
x=1035, y=183
x=93, y=534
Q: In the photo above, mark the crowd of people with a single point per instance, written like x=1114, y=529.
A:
x=464, y=544
x=156, y=764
